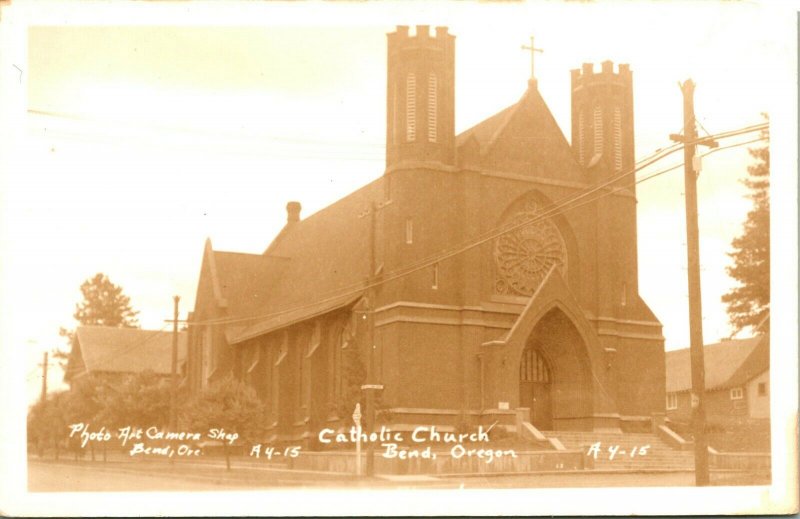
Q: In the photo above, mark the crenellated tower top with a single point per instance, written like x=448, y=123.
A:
x=602, y=118
x=420, y=100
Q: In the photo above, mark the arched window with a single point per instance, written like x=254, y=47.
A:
x=533, y=368
x=411, y=107
x=617, y=139
x=209, y=360
x=598, y=130
x=395, y=115
x=432, y=107
x=279, y=351
x=339, y=345
x=582, y=137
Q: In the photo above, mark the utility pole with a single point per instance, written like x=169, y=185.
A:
x=371, y=343
x=370, y=387
x=44, y=378
x=691, y=171
x=173, y=400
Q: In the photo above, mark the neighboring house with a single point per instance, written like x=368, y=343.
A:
x=736, y=381
x=108, y=351
x=543, y=319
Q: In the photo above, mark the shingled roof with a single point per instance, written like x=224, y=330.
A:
x=728, y=364
x=123, y=350
x=315, y=265
x=247, y=281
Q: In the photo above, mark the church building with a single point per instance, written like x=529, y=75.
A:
x=488, y=277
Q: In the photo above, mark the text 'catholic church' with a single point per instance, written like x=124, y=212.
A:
x=487, y=277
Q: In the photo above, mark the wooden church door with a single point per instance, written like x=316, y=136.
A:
x=534, y=388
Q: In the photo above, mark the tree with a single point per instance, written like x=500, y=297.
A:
x=230, y=405
x=748, y=303
x=141, y=400
x=103, y=304
x=82, y=405
x=47, y=423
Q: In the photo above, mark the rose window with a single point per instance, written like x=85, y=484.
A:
x=526, y=253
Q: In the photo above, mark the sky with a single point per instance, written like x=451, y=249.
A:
x=146, y=129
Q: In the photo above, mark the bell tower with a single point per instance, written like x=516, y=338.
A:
x=420, y=100
x=602, y=118
x=603, y=143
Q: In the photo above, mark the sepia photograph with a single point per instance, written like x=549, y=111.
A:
x=379, y=258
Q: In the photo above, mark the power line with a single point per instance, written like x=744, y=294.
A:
x=558, y=208
x=427, y=261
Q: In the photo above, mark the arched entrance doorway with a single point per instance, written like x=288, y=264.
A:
x=555, y=375
x=535, y=382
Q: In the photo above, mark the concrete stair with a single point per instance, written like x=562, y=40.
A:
x=628, y=457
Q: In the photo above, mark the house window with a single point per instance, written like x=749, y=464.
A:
x=762, y=389
x=737, y=393
x=411, y=108
x=432, y=107
x=409, y=231
x=672, y=401
x=617, y=139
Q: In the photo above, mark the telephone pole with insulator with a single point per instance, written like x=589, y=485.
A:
x=691, y=164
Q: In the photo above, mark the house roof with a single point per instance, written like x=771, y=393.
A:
x=727, y=364
x=124, y=350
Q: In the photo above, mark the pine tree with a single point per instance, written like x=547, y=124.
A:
x=104, y=304
x=748, y=303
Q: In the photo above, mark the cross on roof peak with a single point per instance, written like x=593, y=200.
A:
x=533, y=50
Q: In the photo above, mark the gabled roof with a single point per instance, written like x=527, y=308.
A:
x=291, y=316
x=316, y=265
x=523, y=138
x=124, y=350
x=485, y=131
x=245, y=280
x=728, y=364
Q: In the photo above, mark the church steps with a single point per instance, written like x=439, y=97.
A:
x=659, y=455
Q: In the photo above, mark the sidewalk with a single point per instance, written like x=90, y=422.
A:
x=211, y=474
x=250, y=476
